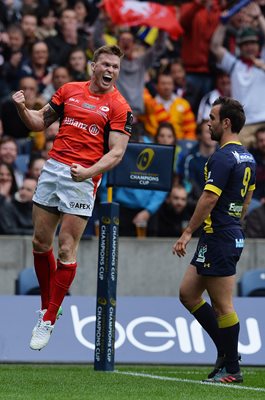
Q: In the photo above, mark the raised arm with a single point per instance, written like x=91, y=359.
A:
x=33, y=119
x=117, y=145
x=216, y=46
x=155, y=51
x=188, y=11
x=99, y=26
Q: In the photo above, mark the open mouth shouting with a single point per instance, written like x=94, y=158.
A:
x=107, y=79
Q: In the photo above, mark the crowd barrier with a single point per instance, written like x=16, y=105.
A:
x=146, y=267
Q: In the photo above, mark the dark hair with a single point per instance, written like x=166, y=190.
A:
x=232, y=110
x=32, y=162
x=167, y=125
x=34, y=44
x=15, y=28
x=55, y=69
x=162, y=72
x=115, y=50
x=43, y=11
x=14, y=186
x=200, y=126
x=176, y=61
x=6, y=139
x=261, y=129
x=75, y=50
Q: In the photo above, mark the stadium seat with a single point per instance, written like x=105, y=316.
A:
x=252, y=283
x=186, y=144
x=27, y=282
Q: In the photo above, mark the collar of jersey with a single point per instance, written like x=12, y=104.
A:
x=232, y=142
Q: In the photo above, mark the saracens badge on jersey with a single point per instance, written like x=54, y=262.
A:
x=93, y=129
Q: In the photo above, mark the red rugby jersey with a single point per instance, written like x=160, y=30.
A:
x=85, y=122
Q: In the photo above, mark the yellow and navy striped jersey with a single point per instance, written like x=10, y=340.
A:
x=230, y=173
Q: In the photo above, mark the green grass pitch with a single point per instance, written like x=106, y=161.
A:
x=127, y=382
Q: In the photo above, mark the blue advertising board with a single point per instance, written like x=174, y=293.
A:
x=148, y=330
x=144, y=166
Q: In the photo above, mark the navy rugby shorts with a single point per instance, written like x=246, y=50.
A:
x=218, y=253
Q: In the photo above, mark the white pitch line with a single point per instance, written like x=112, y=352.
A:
x=167, y=378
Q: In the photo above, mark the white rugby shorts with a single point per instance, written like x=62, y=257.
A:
x=57, y=189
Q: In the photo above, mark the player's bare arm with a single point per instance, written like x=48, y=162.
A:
x=204, y=207
x=36, y=120
x=117, y=143
x=49, y=115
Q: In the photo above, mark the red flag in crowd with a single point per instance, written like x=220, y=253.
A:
x=133, y=13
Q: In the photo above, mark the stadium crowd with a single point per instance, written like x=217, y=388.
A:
x=169, y=84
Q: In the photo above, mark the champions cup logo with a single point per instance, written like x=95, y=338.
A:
x=116, y=221
x=102, y=301
x=112, y=302
x=145, y=158
x=106, y=220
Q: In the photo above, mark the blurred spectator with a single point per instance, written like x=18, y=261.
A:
x=139, y=134
x=38, y=66
x=104, y=30
x=85, y=19
x=31, y=6
x=4, y=88
x=222, y=88
x=250, y=15
x=191, y=166
x=136, y=206
x=8, y=185
x=46, y=23
x=172, y=217
x=77, y=65
x=8, y=155
x=235, y=24
x=166, y=135
x=254, y=224
x=14, y=56
x=47, y=147
x=35, y=167
x=9, y=13
x=44, y=143
x=60, y=76
x=182, y=87
x=52, y=130
x=199, y=19
x=131, y=81
x=66, y=39
x=247, y=75
x=166, y=106
x=12, y=124
x=58, y=6
x=16, y=215
x=259, y=155
x=29, y=24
